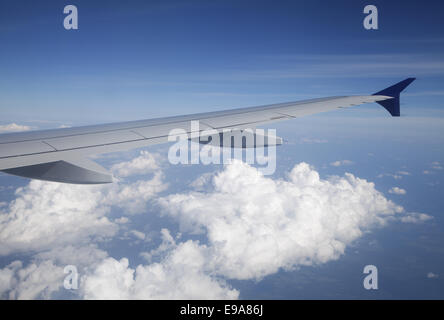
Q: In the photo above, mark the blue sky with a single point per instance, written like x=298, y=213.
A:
x=145, y=59
x=125, y=61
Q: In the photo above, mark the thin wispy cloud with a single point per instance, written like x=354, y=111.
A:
x=436, y=165
x=340, y=163
x=424, y=93
x=349, y=66
x=312, y=140
x=397, y=175
x=397, y=190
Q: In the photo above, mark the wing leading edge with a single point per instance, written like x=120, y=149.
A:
x=62, y=154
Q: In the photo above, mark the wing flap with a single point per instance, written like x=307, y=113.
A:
x=77, y=171
x=240, y=139
x=92, y=139
x=23, y=148
x=163, y=130
x=241, y=120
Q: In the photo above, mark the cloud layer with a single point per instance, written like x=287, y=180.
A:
x=182, y=274
x=252, y=226
x=13, y=127
x=256, y=225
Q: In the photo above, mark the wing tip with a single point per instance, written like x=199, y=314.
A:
x=394, y=91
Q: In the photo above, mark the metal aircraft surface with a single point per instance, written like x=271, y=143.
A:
x=62, y=154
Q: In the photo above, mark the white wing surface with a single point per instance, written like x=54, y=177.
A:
x=62, y=154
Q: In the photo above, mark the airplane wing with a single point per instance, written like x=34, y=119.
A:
x=62, y=154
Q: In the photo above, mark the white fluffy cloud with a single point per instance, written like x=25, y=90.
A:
x=13, y=127
x=256, y=225
x=49, y=214
x=37, y=280
x=397, y=190
x=415, y=217
x=80, y=255
x=61, y=224
x=133, y=197
x=182, y=274
x=145, y=163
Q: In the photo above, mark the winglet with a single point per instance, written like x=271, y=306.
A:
x=392, y=105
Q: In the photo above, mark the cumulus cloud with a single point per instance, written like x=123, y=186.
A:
x=415, y=217
x=13, y=127
x=48, y=214
x=256, y=225
x=181, y=274
x=397, y=190
x=61, y=224
x=32, y=282
x=133, y=197
x=145, y=163
x=339, y=163
x=202, y=181
x=85, y=255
